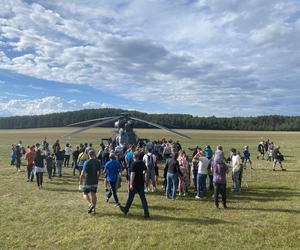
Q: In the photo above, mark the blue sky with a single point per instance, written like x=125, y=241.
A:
x=203, y=57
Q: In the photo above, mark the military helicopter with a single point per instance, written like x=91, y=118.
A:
x=124, y=124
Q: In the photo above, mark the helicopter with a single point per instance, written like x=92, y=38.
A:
x=124, y=124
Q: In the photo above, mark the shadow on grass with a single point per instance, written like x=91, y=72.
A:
x=265, y=194
x=158, y=207
x=162, y=218
x=61, y=190
x=281, y=210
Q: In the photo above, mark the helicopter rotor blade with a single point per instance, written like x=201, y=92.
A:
x=91, y=126
x=161, y=127
x=92, y=120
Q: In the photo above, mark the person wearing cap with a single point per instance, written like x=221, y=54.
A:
x=112, y=169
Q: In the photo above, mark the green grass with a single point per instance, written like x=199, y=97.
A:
x=265, y=215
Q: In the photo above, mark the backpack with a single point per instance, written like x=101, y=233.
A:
x=150, y=162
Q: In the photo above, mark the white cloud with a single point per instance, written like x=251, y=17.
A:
x=46, y=105
x=192, y=54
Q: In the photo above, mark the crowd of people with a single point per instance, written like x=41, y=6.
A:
x=140, y=165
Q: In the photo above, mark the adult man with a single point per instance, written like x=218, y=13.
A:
x=112, y=169
x=150, y=160
x=137, y=185
x=277, y=158
x=89, y=179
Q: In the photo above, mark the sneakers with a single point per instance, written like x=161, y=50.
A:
x=197, y=197
x=146, y=190
x=117, y=205
x=123, y=210
x=91, y=209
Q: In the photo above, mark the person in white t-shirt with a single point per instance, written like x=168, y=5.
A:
x=67, y=155
x=236, y=162
x=150, y=161
x=202, y=174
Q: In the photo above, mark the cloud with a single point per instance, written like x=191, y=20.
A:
x=201, y=57
x=46, y=105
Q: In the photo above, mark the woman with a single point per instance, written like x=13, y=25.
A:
x=67, y=155
x=183, y=167
x=172, y=169
x=39, y=168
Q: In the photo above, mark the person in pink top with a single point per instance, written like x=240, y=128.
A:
x=184, y=169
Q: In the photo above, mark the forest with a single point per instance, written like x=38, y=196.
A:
x=173, y=121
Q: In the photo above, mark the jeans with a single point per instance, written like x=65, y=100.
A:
x=201, y=185
x=236, y=181
x=211, y=184
x=49, y=171
x=39, y=178
x=113, y=191
x=195, y=173
x=66, y=160
x=29, y=172
x=75, y=166
x=18, y=163
x=172, y=180
x=141, y=192
x=58, y=167
x=220, y=189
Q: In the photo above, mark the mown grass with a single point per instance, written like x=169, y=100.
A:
x=265, y=215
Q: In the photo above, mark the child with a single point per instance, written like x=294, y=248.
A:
x=49, y=163
x=246, y=154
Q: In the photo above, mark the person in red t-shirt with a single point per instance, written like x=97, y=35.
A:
x=29, y=156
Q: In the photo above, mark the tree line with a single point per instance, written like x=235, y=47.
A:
x=176, y=121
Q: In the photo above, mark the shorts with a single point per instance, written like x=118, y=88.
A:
x=90, y=188
x=150, y=174
x=276, y=161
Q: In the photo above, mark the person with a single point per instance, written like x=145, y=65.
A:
x=56, y=147
x=208, y=152
x=39, y=168
x=67, y=155
x=271, y=148
x=49, y=164
x=150, y=161
x=246, y=156
x=18, y=158
x=202, y=174
x=219, y=155
x=112, y=169
x=29, y=156
x=172, y=169
x=82, y=158
x=184, y=169
x=75, y=156
x=89, y=180
x=236, y=162
x=137, y=183
x=277, y=158
x=220, y=169
x=129, y=161
x=13, y=154
x=261, y=150
x=195, y=163
x=59, y=155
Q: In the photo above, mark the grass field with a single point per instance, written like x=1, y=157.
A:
x=266, y=215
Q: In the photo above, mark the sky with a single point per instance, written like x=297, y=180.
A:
x=219, y=58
